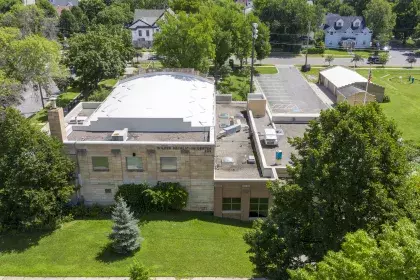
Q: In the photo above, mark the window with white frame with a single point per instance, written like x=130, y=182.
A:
x=134, y=163
x=100, y=163
x=147, y=33
x=168, y=164
x=258, y=207
x=140, y=33
x=231, y=204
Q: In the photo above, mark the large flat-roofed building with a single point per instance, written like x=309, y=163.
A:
x=173, y=127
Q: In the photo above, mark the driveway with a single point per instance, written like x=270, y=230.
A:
x=288, y=92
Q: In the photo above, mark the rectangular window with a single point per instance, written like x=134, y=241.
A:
x=168, y=164
x=134, y=163
x=147, y=33
x=331, y=33
x=140, y=33
x=108, y=191
x=100, y=163
x=258, y=207
x=231, y=204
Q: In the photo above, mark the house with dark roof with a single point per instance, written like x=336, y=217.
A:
x=61, y=5
x=348, y=32
x=145, y=26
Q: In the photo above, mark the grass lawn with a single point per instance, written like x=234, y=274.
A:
x=236, y=84
x=109, y=83
x=41, y=117
x=404, y=107
x=266, y=70
x=67, y=96
x=343, y=53
x=178, y=244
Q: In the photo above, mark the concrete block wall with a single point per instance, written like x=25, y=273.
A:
x=195, y=170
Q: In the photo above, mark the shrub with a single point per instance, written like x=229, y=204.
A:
x=386, y=98
x=142, y=198
x=315, y=50
x=125, y=234
x=168, y=196
x=136, y=197
x=417, y=52
x=85, y=211
x=63, y=83
x=99, y=95
x=139, y=272
x=410, y=43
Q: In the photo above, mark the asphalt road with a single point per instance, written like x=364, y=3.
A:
x=397, y=58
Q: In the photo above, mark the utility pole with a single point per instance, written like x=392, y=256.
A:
x=254, y=36
x=307, y=43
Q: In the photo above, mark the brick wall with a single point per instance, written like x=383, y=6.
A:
x=195, y=170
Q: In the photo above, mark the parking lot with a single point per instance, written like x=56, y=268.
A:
x=288, y=92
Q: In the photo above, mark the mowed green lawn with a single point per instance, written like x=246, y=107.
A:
x=404, y=107
x=181, y=245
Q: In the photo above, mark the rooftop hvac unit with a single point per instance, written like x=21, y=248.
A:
x=120, y=135
x=78, y=120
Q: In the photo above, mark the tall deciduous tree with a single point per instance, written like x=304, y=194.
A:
x=91, y=8
x=393, y=255
x=99, y=54
x=9, y=91
x=185, y=41
x=68, y=23
x=125, y=234
x=188, y=6
x=349, y=173
x=408, y=17
x=287, y=16
x=358, y=5
x=115, y=14
x=380, y=19
x=35, y=175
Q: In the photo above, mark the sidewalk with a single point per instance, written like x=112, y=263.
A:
x=120, y=278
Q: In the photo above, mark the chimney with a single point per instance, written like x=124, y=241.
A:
x=56, y=121
x=257, y=104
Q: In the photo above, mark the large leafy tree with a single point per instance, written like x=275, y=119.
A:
x=380, y=19
x=188, y=6
x=99, y=54
x=287, y=16
x=28, y=59
x=115, y=14
x=408, y=17
x=29, y=19
x=68, y=23
x=185, y=41
x=394, y=254
x=349, y=173
x=91, y=8
x=358, y=5
x=35, y=175
x=9, y=91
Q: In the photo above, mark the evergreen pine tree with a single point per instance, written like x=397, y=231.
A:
x=125, y=234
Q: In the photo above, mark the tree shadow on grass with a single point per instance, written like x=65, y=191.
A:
x=183, y=216
x=108, y=255
x=15, y=242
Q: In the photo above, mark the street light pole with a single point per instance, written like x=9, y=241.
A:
x=307, y=43
x=254, y=36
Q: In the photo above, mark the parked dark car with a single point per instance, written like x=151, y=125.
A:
x=373, y=59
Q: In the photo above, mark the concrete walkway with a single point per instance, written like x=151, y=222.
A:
x=120, y=278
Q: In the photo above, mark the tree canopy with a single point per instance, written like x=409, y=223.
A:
x=349, y=172
x=99, y=54
x=35, y=175
x=380, y=19
x=185, y=41
x=394, y=254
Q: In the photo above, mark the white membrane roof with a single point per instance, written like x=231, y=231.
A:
x=342, y=76
x=161, y=95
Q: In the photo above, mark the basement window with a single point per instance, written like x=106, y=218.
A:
x=108, y=191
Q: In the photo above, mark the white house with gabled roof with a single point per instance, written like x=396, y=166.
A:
x=145, y=26
x=349, y=32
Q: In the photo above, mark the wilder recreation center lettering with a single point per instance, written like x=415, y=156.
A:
x=205, y=149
